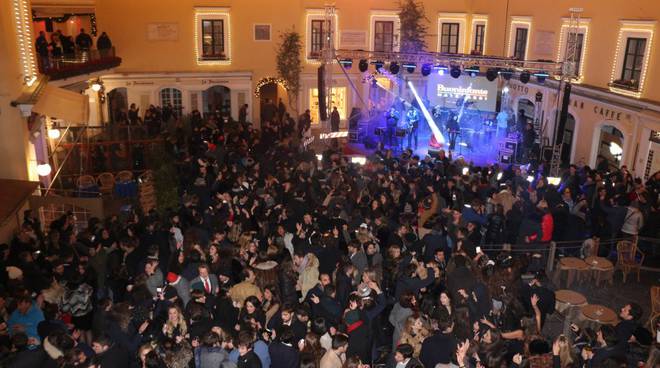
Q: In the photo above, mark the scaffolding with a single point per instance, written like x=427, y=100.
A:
x=569, y=73
x=328, y=57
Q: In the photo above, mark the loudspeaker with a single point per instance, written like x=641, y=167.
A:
x=563, y=115
x=323, y=108
x=354, y=118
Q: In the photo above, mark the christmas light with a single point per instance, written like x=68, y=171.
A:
x=269, y=80
x=212, y=13
x=525, y=22
x=478, y=19
x=459, y=18
x=628, y=28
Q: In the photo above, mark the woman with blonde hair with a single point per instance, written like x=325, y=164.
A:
x=415, y=331
x=175, y=327
x=562, y=348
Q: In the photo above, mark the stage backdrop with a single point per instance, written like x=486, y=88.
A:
x=444, y=90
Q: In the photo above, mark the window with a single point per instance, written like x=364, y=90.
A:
x=320, y=36
x=213, y=39
x=171, y=96
x=633, y=61
x=479, y=38
x=579, y=45
x=520, y=45
x=449, y=41
x=212, y=36
x=384, y=36
x=262, y=32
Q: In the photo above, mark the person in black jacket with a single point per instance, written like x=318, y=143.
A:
x=247, y=358
x=439, y=348
x=283, y=354
x=109, y=354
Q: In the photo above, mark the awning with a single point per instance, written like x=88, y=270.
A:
x=60, y=103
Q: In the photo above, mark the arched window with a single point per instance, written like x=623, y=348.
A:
x=172, y=96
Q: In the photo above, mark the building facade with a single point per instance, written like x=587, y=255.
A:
x=213, y=55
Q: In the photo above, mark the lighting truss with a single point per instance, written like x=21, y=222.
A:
x=551, y=67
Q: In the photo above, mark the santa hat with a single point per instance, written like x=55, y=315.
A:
x=172, y=277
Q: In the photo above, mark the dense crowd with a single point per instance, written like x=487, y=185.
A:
x=279, y=258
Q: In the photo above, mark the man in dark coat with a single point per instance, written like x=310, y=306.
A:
x=282, y=352
x=83, y=40
x=334, y=120
x=109, y=354
x=247, y=358
x=439, y=348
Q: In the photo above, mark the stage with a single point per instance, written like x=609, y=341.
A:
x=468, y=116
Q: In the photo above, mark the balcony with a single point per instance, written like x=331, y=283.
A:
x=80, y=63
x=628, y=85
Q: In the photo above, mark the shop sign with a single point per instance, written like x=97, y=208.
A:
x=607, y=113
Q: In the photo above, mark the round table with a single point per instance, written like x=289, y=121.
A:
x=566, y=299
x=595, y=315
x=573, y=266
x=602, y=269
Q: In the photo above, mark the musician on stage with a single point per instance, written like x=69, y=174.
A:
x=453, y=129
x=392, y=119
x=412, y=123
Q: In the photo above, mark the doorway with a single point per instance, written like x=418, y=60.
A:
x=217, y=99
x=610, y=145
x=118, y=105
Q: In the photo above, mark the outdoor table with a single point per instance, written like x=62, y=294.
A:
x=572, y=267
x=595, y=315
x=601, y=269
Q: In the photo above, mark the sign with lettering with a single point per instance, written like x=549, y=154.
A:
x=163, y=31
x=607, y=113
x=468, y=92
x=353, y=40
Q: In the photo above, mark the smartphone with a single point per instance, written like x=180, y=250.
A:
x=478, y=249
x=159, y=290
x=93, y=237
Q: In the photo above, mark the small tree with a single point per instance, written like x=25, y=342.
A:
x=289, y=64
x=413, y=26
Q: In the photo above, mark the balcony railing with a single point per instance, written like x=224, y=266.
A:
x=631, y=85
x=79, y=63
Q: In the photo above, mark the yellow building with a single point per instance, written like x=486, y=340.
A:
x=209, y=55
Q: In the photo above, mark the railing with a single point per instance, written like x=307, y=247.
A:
x=81, y=62
x=627, y=85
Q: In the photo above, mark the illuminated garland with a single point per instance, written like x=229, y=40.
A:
x=92, y=20
x=269, y=80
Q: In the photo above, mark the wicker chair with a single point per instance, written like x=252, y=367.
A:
x=124, y=176
x=85, y=181
x=146, y=177
x=655, y=306
x=106, y=182
x=629, y=258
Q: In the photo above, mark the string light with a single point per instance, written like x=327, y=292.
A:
x=450, y=18
x=214, y=13
x=479, y=20
x=269, y=80
x=631, y=27
x=317, y=13
x=92, y=21
x=521, y=21
x=378, y=15
x=563, y=33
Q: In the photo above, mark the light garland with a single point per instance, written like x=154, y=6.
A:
x=478, y=19
x=212, y=13
x=269, y=80
x=631, y=27
x=92, y=21
x=461, y=19
x=23, y=21
x=319, y=14
x=526, y=22
x=563, y=33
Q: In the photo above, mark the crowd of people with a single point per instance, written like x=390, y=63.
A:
x=278, y=258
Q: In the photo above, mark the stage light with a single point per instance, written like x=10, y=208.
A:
x=530, y=178
x=43, y=169
x=441, y=69
x=378, y=65
x=426, y=69
x=363, y=65
x=360, y=160
x=472, y=71
x=506, y=74
x=541, y=76
x=455, y=71
x=394, y=68
x=96, y=87
x=427, y=115
x=409, y=67
x=524, y=77
x=465, y=171
x=491, y=74
x=53, y=133
x=499, y=175
x=346, y=63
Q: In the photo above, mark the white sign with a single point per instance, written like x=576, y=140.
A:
x=333, y=135
x=469, y=92
x=353, y=40
x=163, y=31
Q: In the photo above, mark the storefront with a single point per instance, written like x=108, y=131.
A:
x=599, y=123
x=186, y=92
